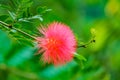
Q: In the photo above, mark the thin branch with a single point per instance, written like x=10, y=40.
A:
x=3, y=23
x=23, y=32
x=85, y=45
x=11, y=27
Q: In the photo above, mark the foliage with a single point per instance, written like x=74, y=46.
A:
x=17, y=59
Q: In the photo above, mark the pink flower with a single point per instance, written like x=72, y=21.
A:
x=58, y=43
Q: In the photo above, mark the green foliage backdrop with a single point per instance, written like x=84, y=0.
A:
x=17, y=59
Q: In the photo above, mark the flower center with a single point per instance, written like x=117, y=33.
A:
x=53, y=43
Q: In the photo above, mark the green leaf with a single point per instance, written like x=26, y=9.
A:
x=80, y=60
x=37, y=17
x=31, y=18
x=19, y=8
x=12, y=15
x=42, y=10
x=79, y=57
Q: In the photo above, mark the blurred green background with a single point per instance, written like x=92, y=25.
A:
x=18, y=62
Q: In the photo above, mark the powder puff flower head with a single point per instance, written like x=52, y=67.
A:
x=58, y=43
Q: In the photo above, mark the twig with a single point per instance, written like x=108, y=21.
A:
x=11, y=27
x=85, y=45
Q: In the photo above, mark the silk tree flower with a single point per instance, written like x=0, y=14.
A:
x=58, y=43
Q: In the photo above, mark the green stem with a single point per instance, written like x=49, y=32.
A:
x=85, y=45
x=3, y=23
x=11, y=27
